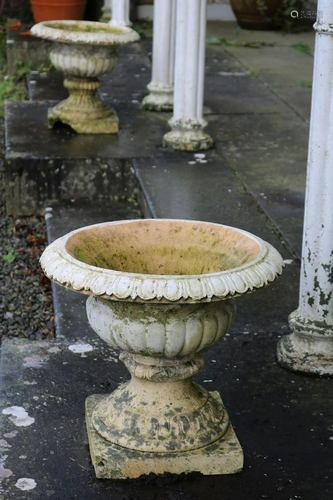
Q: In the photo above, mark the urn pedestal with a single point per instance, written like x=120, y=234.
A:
x=84, y=51
x=161, y=291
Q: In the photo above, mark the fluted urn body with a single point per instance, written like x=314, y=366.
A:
x=161, y=291
x=84, y=51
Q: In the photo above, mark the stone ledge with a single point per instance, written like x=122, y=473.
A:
x=43, y=166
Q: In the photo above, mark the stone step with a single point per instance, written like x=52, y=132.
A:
x=45, y=166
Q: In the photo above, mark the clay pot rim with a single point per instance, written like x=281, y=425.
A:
x=60, y=266
x=122, y=35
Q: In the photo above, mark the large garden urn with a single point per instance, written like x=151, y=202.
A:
x=84, y=51
x=161, y=291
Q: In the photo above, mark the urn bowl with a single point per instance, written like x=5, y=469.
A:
x=162, y=261
x=83, y=48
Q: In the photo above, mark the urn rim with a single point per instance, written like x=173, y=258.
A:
x=92, y=33
x=66, y=270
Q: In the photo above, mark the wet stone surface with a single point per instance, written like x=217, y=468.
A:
x=273, y=412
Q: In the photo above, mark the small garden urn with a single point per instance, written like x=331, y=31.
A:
x=161, y=291
x=84, y=51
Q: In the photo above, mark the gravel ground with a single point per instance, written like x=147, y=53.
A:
x=26, y=308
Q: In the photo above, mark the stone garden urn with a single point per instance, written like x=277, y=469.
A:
x=161, y=291
x=84, y=51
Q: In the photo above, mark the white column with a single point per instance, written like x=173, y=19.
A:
x=310, y=347
x=120, y=13
x=187, y=123
x=161, y=85
x=106, y=11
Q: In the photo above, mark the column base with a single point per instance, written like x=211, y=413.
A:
x=224, y=456
x=106, y=16
x=309, y=349
x=158, y=102
x=187, y=139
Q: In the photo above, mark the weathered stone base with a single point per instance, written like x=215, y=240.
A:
x=305, y=355
x=158, y=102
x=84, y=122
x=187, y=140
x=309, y=349
x=110, y=461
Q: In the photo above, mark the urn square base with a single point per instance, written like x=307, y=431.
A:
x=83, y=121
x=111, y=461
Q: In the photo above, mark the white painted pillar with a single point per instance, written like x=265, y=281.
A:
x=161, y=85
x=106, y=11
x=310, y=347
x=120, y=13
x=187, y=123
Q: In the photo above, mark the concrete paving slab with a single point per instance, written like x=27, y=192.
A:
x=273, y=64
x=200, y=191
x=231, y=31
x=240, y=94
x=269, y=155
x=298, y=98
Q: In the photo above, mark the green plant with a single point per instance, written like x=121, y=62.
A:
x=10, y=256
x=144, y=29
x=42, y=298
x=302, y=47
x=14, y=86
x=253, y=73
x=11, y=88
x=305, y=83
x=24, y=69
x=235, y=43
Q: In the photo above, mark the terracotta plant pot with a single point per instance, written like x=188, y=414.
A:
x=48, y=10
x=258, y=14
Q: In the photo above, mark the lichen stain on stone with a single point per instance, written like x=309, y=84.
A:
x=25, y=484
x=329, y=270
x=18, y=416
x=5, y=473
x=35, y=361
x=309, y=252
x=324, y=299
x=121, y=250
x=80, y=348
x=83, y=28
x=310, y=301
